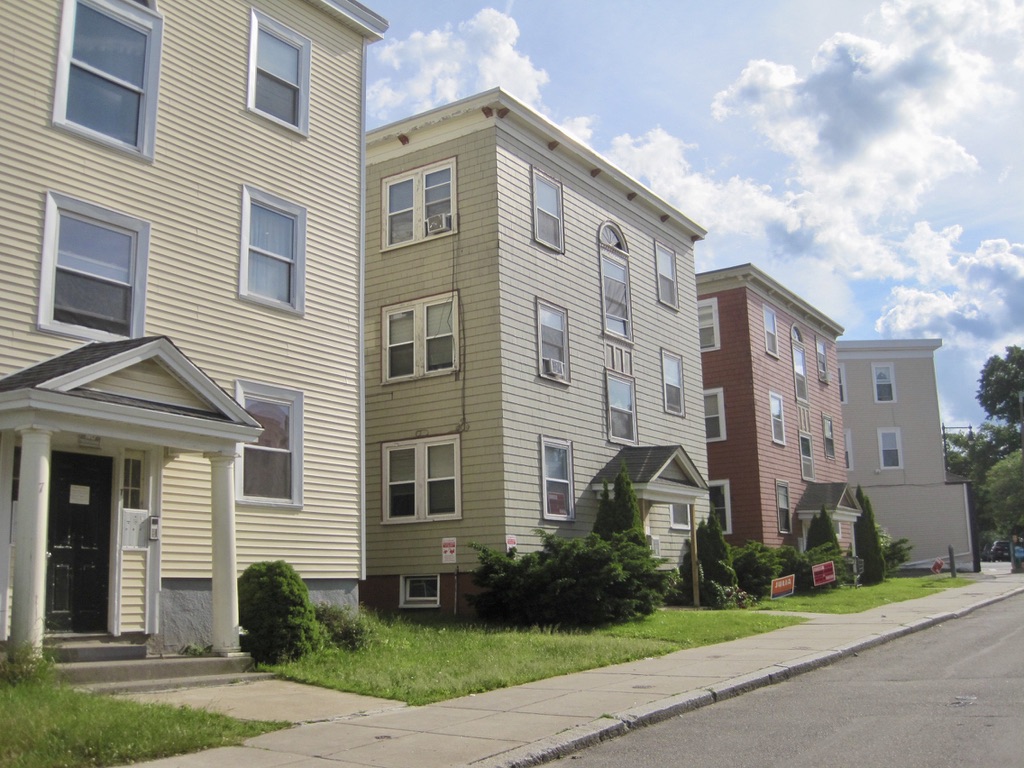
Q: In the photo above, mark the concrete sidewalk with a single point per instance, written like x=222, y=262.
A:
x=533, y=723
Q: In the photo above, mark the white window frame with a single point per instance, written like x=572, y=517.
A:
x=883, y=432
x=541, y=178
x=711, y=305
x=800, y=372
x=771, y=331
x=843, y=394
x=618, y=256
x=727, y=494
x=719, y=394
x=544, y=368
x=663, y=255
x=828, y=436
x=821, y=356
x=806, y=456
x=297, y=298
x=778, y=436
x=58, y=205
x=674, y=508
x=408, y=601
x=848, y=447
x=570, y=503
x=294, y=400
x=672, y=362
x=779, y=486
x=875, y=368
x=421, y=448
x=419, y=204
x=419, y=308
x=140, y=18
x=611, y=376
x=304, y=46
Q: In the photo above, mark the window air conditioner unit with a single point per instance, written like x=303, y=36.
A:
x=439, y=222
x=825, y=377
x=654, y=542
x=554, y=367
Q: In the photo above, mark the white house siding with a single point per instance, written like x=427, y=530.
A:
x=133, y=591
x=912, y=502
x=207, y=147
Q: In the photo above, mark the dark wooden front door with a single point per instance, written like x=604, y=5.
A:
x=79, y=542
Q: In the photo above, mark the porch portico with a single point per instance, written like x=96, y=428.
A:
x=126, y=405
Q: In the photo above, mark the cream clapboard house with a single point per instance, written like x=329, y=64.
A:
x=894, y=447
x=180, y=332
x=530, y=325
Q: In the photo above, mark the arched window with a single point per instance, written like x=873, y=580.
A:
x=615, y=281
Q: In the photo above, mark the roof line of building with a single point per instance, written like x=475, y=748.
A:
x=370, y=24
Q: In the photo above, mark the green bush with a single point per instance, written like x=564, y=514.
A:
x=821, y=531
x=619, y=513
x=714, y=560
x=570, y=582
x=895, y=552
x=274, y=609
x=342, y=627
x=869, y=544
x=23, y=665
x=755, y=565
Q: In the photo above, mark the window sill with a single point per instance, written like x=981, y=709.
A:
x=412, y=520
x=419, y=240
x=260, y=301
x=281, y=504
x=420, y=376
x=81, y=332
x=142, y=153
x=301, y=130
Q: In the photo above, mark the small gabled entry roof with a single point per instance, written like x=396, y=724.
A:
x=837, y=498
x=661, y=474
x=94, y=388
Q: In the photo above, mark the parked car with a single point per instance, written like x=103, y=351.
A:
x=1000, y=551
x=986, y=553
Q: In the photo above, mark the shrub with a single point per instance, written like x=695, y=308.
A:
x=342, y=627
x=621, y=513
x=822, y=554
x=274, y=608
x=570, y=582
x=869, y=545
x=755, y=565
x=821, y=531
x=895, y=552
x=793, y=561
x=714, y=561
x=23, y=665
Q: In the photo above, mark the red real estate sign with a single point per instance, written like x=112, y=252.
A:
x=824, y=573
x=783, y=586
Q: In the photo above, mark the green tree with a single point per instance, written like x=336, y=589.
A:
x=620, y=512
x=821, y=531
x=1005, y=491
x=1002, y=379
x=869, y=545
x=714, y=560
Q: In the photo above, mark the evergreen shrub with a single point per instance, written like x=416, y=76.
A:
x=756, y=565
x=274, y=609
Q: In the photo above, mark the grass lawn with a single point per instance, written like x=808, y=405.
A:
x=420, y=662
x=847, y=600
x=46, y=726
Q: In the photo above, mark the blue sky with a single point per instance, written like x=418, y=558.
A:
x=869, y=155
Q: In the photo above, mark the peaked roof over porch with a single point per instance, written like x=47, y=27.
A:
x=837, y=498
x=662, y=474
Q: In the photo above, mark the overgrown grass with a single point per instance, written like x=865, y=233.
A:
x=849, y=600
x=49, y=726
x=420, y=662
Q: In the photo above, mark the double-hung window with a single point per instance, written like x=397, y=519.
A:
x=714, y=414
x=108, y=70
x=553, y=341
x=782, y=505
x=799, y=367
x=93, y=281
x=421, y=479
x=420, y=204
x=556, y=461
x=821, y=348
x=420, y=338
x=273, y=254
x=889, y=453
x=666, y=262
x=707, y=322
x=771, y=331
x=842, y=384
x=828, y=436
x=885, y=382
x=806, y=457
x=680, y=516
x=621, y=408
x=279, y=63
x=672, y=382
x=547, y=210
x=272, y=466
x=721, y=503
x=615, y=282
x=778, y=422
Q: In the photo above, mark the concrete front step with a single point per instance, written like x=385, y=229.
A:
x=73, y=648
x=175, y=683
x=149, y=669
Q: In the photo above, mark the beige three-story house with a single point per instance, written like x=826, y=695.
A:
x=530, y=325
x=180, y=327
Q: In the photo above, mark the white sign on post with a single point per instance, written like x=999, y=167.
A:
x=448, y=550
x=510, y=543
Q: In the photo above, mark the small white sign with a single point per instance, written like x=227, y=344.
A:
x=511, y=543
x=79, y=494
x=448, y=550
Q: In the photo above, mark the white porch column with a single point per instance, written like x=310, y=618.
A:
x=225, y=578
x=28, y=611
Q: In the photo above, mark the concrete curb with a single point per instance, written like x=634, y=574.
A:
x=621, y=723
